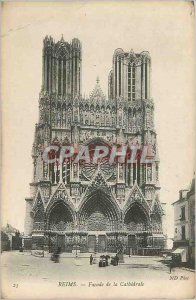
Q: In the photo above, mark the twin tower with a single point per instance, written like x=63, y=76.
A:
x=62, y=71
x=98, y=206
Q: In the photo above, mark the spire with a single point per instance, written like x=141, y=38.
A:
x=97, y=91
x=62, y=38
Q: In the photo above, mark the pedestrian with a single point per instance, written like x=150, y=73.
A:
x=170, y=266
x=106, y=259
x=117, y=259
x=91, y=259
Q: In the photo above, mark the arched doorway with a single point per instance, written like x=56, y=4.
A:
x=97, y=216
x=60, y=219
x=136, y=222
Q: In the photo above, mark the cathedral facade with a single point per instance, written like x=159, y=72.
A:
x=95, y=206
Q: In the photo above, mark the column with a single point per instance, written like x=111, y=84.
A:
x=125, y=78
x=79, y=72
x=143, y=79
x=73, y=72
x=114, y=77
x=97, y=243
x=67, y=77
x=51, y=72
x=126, y=174
x=117, y=76
x=57, y=75
x=146, y=79
x=55, y=173
x=45, y=72
x=149, y=77
x=136, y=171
x=61, y=172
x=61, y=76
x=71, y=171
x=53, y=75
x=141, y=173
x=78, y=171
x=65, y=172
x=146, y=167
x=76, y=73
x=131, y=174
x=122, y=77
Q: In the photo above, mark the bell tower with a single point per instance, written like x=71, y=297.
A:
x=62, y=63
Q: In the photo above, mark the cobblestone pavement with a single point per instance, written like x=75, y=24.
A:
x=22, y=273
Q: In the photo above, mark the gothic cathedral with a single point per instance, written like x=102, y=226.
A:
x=94, y=207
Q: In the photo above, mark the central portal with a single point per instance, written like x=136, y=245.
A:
x=91, y=243
x=98, y=212
x=97, y=243
x=101, y=243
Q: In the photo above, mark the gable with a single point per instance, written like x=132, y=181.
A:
x=61, y=194
x=136, y=196
x=38, y=203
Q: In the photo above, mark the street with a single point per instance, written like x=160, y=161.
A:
x=27, y=276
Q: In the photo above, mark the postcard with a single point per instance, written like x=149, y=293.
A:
x=98, y=189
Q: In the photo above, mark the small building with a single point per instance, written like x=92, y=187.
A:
x=184, y=225
x=5, y=242
x=14, y=236
x=191, y=222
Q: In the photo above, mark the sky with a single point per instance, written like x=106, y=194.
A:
x=165, y=29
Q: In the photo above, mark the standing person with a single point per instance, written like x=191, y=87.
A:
x=106, y=259
x=170, y=266
x=91, y=259
x=117, y=259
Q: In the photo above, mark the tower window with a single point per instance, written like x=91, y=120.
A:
x=115, y=77
x=146, y=81
x=131, y=82
x=59, y=76
x=64, y=77
x=119, y=77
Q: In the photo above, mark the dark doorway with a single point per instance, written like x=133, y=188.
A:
x=91, y=243
x=61, y=242
x=101, y=243
x=132, y=244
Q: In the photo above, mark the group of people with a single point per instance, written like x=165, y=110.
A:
x=114, y=260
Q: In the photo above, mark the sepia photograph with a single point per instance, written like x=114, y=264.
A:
x=98, y=179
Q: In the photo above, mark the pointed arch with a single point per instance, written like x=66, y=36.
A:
x=60, y=217
x=98, y=211
x=60, y=195
x=136, y=218
x=136, y=197
x=99, y=184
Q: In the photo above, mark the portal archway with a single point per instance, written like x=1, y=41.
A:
x=98, y=213
x=136, y=219
x=60, y=218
